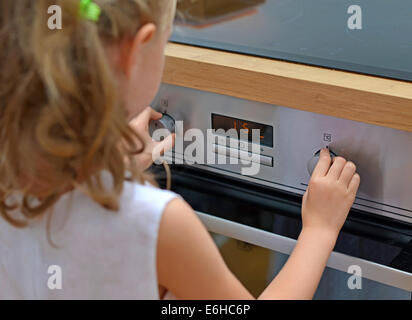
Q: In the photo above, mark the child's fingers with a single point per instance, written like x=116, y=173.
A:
x=154, y=115
x=354, y=183
x=150, y=114
x=145, y=117
x=337, y=167
x=168, y=143
x=163, y=146
x=347, y=173
x=323, y=165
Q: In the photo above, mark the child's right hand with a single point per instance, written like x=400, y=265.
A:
x=330, y=195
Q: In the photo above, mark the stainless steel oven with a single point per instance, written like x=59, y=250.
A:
x=263, y=210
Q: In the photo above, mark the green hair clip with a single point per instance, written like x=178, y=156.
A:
x=90, y=10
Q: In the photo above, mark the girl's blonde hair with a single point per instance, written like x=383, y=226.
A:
x=62, y=121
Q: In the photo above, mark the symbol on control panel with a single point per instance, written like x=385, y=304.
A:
x=327, y=137
x=164, y=103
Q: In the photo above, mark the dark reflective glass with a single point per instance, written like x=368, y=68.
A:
x=373, y=38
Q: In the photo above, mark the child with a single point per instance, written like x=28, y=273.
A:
x=72, y=167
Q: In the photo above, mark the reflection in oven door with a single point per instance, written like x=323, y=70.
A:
x=205, y=13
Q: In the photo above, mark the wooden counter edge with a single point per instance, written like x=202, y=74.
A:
x=341, y=94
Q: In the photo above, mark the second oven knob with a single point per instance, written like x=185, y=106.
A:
x=314, y=161
x=166, y=122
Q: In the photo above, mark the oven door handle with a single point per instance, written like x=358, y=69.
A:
x=338, y=261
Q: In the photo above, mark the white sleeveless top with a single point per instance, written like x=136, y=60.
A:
x=101, y=254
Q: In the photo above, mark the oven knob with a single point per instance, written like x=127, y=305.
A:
x=314, y=161
x=166, y=122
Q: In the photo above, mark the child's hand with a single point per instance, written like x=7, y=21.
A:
x=330, y=195
x=141, y=125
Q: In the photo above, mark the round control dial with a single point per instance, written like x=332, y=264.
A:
x=166, y=122
x=314, y=161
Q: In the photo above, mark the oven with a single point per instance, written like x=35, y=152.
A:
x=247, y=189
x=262, y=210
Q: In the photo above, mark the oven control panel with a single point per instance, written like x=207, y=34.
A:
x=279, y=147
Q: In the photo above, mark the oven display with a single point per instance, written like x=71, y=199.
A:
x=227, y=123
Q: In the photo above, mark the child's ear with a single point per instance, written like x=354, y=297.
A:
x=142, y=38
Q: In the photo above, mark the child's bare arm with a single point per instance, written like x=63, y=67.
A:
x=190, y=265
x=326, y=204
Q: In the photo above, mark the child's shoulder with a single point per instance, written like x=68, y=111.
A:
x=143, y=206
x=145, y=196
x=139, y=205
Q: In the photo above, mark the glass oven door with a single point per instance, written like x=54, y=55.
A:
x=256, y=264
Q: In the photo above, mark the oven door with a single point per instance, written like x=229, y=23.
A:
x=256, y=230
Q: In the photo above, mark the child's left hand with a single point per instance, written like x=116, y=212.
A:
x=141, y=125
